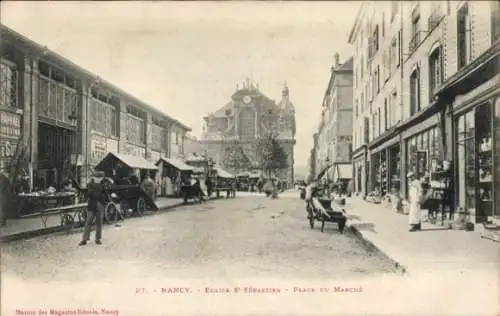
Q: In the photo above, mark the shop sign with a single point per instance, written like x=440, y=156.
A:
x=100, y=146
x=135, y=150
x=7, y=151
x=10, y=125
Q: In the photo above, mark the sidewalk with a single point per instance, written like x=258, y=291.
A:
x=32, y=226
x=433, y=248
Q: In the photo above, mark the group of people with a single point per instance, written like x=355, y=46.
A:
x=417, y=196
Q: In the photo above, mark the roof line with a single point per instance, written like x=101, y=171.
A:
x=85, y=73
x=356, y=23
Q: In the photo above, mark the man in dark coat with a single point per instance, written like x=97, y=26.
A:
x=95, y=208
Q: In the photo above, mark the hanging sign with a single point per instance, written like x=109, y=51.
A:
x=10, y=125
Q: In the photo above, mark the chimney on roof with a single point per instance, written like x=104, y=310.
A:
x=337, y=60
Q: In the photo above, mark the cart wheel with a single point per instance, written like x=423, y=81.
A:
x=110, y=213
x=141, y=206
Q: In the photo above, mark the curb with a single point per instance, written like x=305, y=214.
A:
x=400, y=268
x=55, y=229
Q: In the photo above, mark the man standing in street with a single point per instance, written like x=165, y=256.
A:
x=95, y=208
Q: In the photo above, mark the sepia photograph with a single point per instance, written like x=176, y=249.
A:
x=210, y=158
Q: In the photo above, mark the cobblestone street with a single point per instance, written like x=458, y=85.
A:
x=190, y=260
x=218, y=243
x=230, y=239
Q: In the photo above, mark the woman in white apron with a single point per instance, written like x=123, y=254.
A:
x=415, y=193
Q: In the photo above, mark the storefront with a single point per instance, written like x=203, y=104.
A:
x=384, y=162
x=394, y=169
x=477, y=135
x=423, y=152
x=360, y=171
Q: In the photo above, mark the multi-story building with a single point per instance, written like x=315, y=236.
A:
x=376, y=38
x=335, y=129
x=445, y=98
x=334, y=146
x=55, y=115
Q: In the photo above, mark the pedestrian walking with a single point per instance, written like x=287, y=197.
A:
x=95, y=208
x=148, y=186
x=415, y=196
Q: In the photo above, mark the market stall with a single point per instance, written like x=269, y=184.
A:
x=223, y=180
x=171, y=172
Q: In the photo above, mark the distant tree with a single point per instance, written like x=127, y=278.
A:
x=271, y=155
x=235, y=158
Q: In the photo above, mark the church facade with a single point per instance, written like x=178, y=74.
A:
x=244, y=119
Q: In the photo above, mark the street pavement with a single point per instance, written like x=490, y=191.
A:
x=190, y=261
x=33, y=223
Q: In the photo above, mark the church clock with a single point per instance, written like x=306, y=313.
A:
x=247, y=99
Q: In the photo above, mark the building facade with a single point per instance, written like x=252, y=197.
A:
x=247, y=117
x=445, y=100
x=376, y=38
x=334, y=144
x=56, y=116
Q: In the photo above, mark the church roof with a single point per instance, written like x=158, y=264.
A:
x=222, y=111
x=263, y=100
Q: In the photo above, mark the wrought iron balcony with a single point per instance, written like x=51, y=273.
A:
x=416, y=40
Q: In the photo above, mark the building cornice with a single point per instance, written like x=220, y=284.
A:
x=355, y=27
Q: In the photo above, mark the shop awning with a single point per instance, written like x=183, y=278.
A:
x=343, y=171
x=130, y=161
x=223, y=173
x=176, y=163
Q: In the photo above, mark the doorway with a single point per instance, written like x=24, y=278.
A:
x=55, y=146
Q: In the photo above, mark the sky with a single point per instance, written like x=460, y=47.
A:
x=185, y=58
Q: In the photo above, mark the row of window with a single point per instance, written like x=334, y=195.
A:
x=59, y=101
x=104, y=119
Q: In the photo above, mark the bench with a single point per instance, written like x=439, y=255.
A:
x=68, y=214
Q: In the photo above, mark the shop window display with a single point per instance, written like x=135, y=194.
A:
x=394, y=169
x=423, y=152
x=484, y=189
x=475, y=162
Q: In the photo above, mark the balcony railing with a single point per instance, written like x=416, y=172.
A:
x=416, y=40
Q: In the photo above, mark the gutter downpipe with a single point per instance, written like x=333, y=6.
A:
x=402, y=148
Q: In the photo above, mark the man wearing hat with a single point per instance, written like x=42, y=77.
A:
x=415, y=195
x=95, y=208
